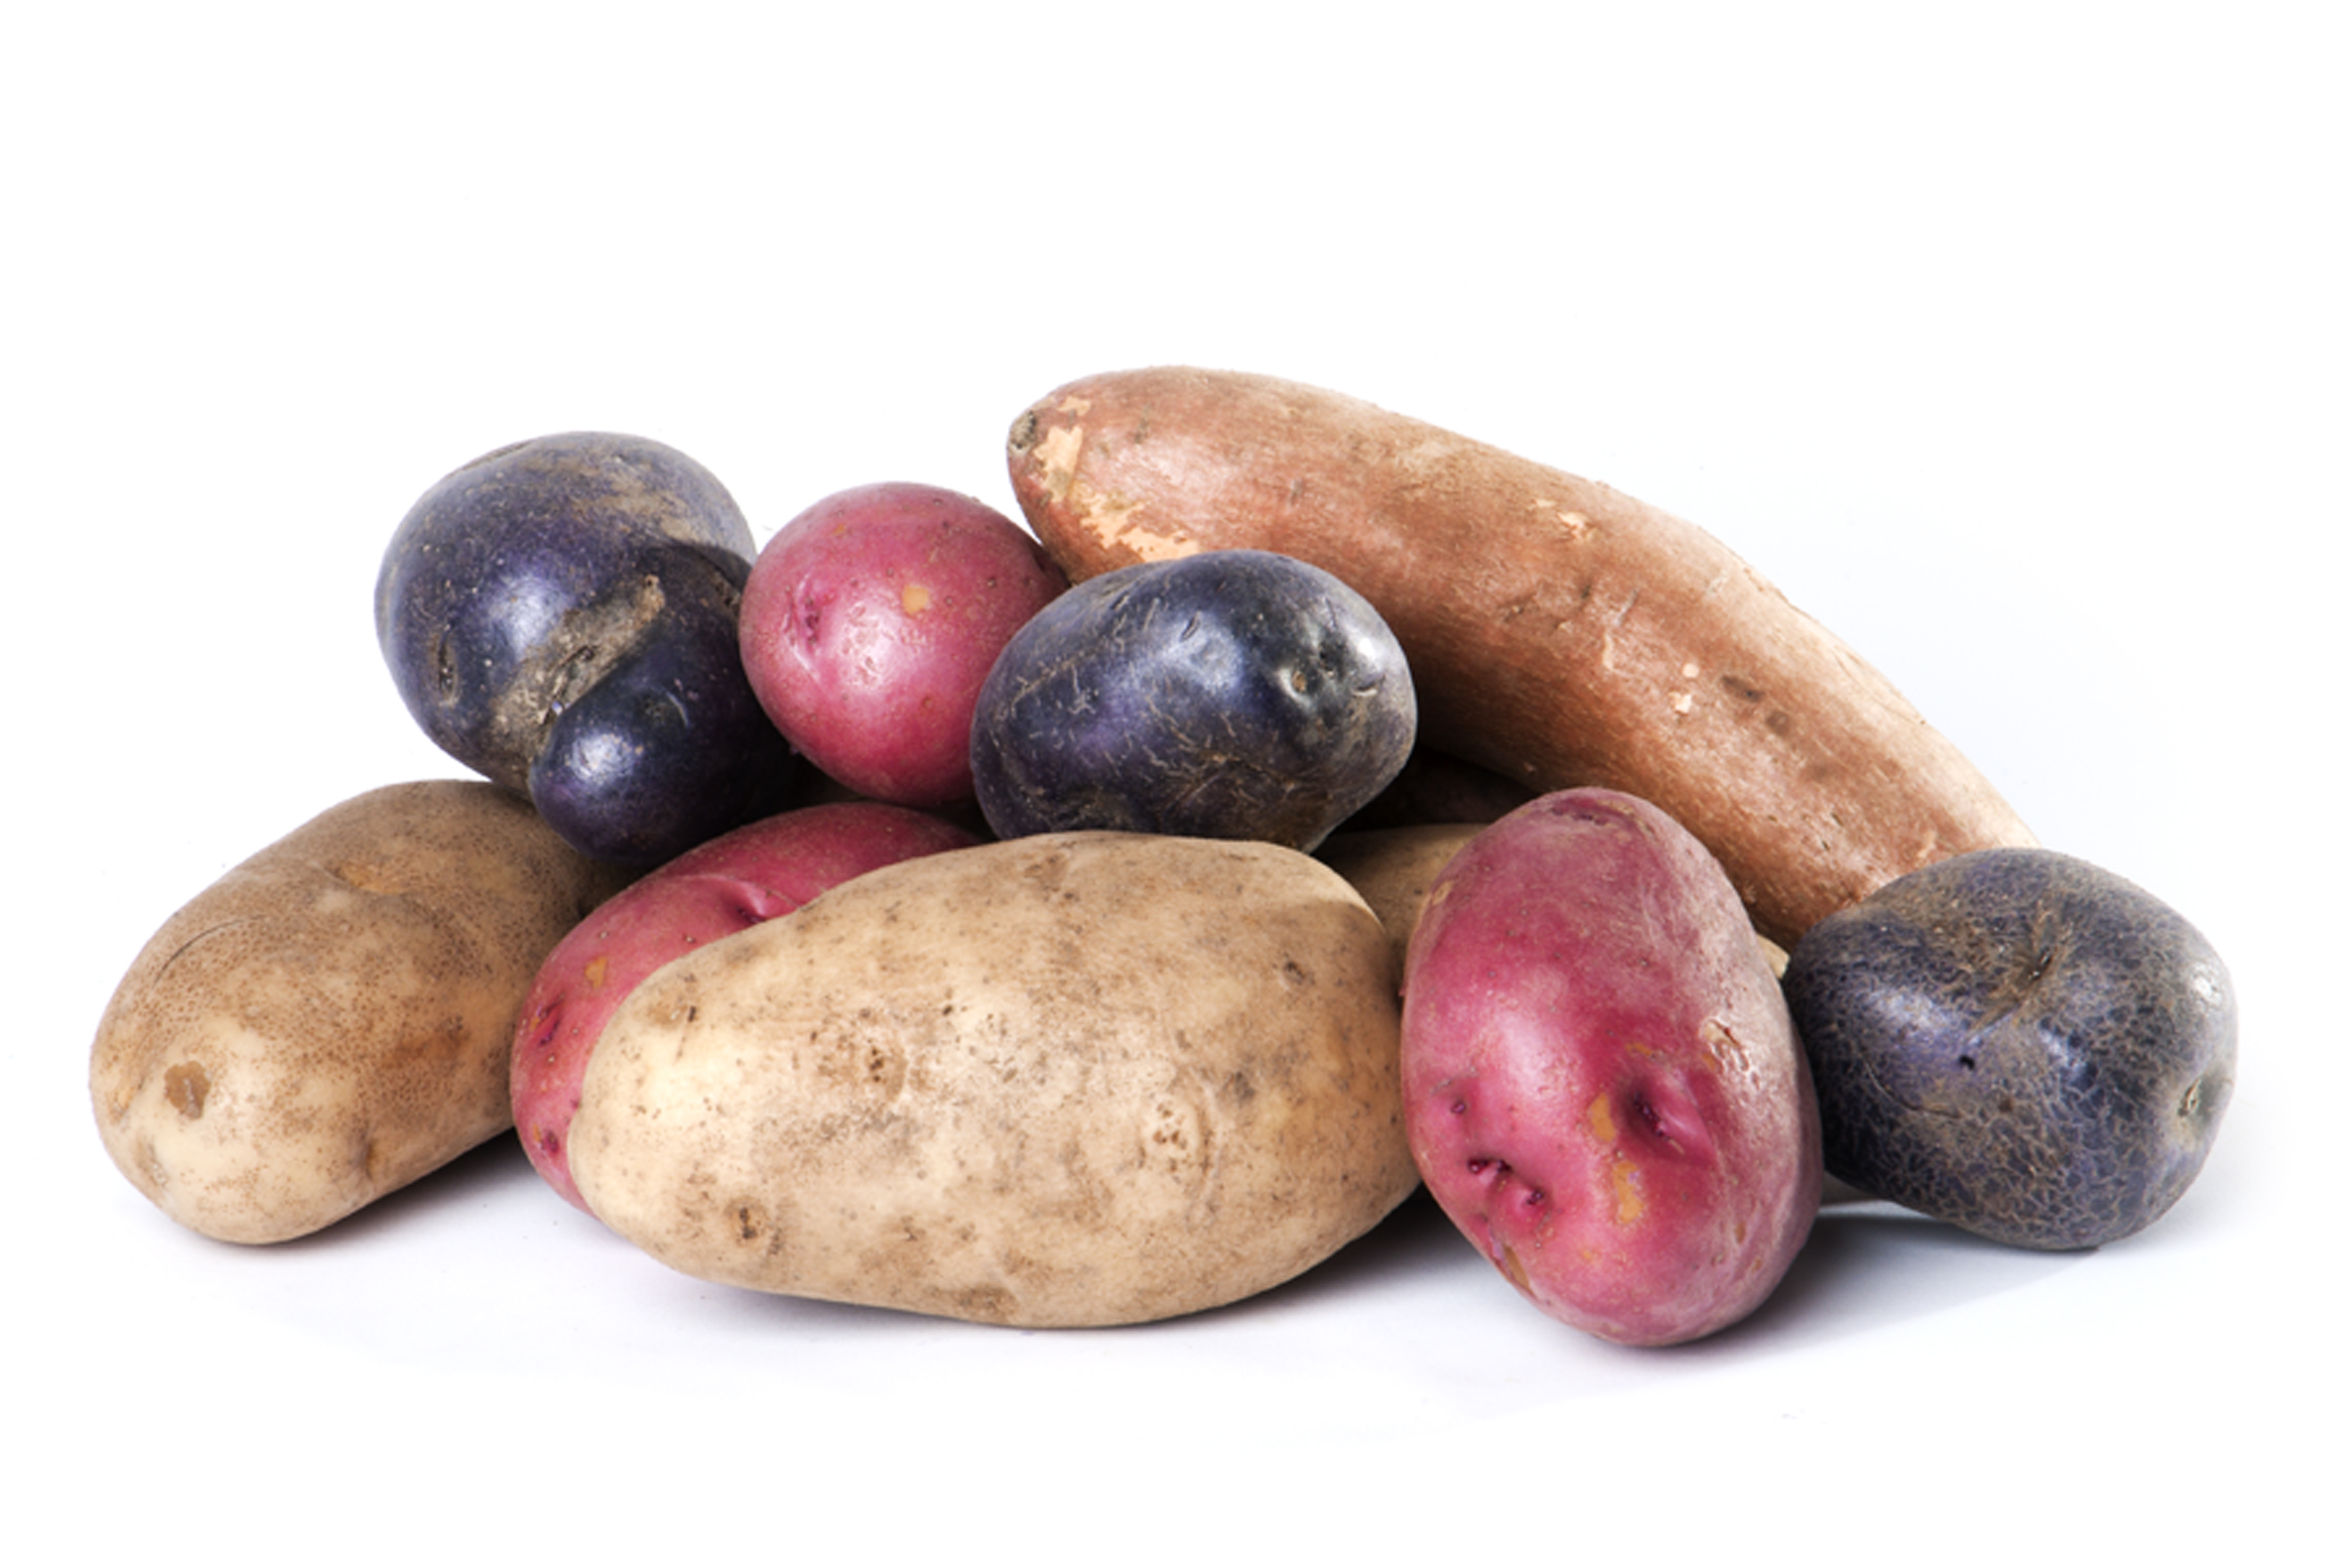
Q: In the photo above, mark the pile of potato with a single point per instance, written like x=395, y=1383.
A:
x=1488, y=829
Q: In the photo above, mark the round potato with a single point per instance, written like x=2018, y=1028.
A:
x=333, y=1018
x=1070, y=1079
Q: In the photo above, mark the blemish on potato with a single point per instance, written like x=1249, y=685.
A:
x=1724, y=1049
x=1060, y=455
x=1599, y=1120
x=916, y=596
x=186, y=1086
x=1573, y=524
x=1021, y=434
x=365, y=878
x=1625, y=1191
x=1111, y=516
x=1174, y=1128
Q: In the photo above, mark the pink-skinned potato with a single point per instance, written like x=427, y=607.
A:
x=1602, y=1086
x=870, y=621
x=745, y=878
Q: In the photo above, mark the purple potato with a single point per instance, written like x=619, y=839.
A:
x=562, y=615
x=2019, y=1043
x=1234, y=694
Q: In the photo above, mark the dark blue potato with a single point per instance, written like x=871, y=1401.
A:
x=562, y=615
x=1237, y=693
x=2017, y=1042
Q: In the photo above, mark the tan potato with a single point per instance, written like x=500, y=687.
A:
x=334, y=1017
x=1068, y=1079
x=1558, y=632
x=1393, y=869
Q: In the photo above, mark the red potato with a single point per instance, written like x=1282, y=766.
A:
x=1557, y=632
x=1601, y=1084
x=870, y=621
x=749, y=875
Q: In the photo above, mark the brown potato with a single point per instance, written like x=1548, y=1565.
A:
x=334, y=1017
x=1068, y=1079
x=1558, y=631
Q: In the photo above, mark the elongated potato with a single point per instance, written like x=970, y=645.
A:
x=1068, y=1079
x=333, y=1018
x=1558, y=631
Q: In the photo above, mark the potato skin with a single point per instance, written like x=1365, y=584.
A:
x=1070, y=1079
x=736, y=879
x=562, y=615
x=333, y=1018
x=1395, y=870
x=1603, y=1085
x=2020, y=1043
x=1558, y=631
x=1237, y=694
x=868, y=623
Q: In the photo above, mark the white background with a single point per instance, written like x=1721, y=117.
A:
x=2002, y=337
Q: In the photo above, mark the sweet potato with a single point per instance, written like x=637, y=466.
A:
x=1559, y=632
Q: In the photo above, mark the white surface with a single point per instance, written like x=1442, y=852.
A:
x=2003, y=339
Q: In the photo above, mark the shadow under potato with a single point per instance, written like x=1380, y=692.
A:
x=1870, y=1264
x=473, y=1178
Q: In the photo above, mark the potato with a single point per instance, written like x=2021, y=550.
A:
x=562, y=615
x=868, y=623
x=1393, y=870
x=751, y=874
x=2018, y=1042
x=1235, y=695
x=1068, y=1079
x=1603, y=1085
x=1558, y=631
x=333, y=1018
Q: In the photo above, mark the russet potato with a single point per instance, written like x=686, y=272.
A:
x=334, y=1017
x=1068, y=1079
